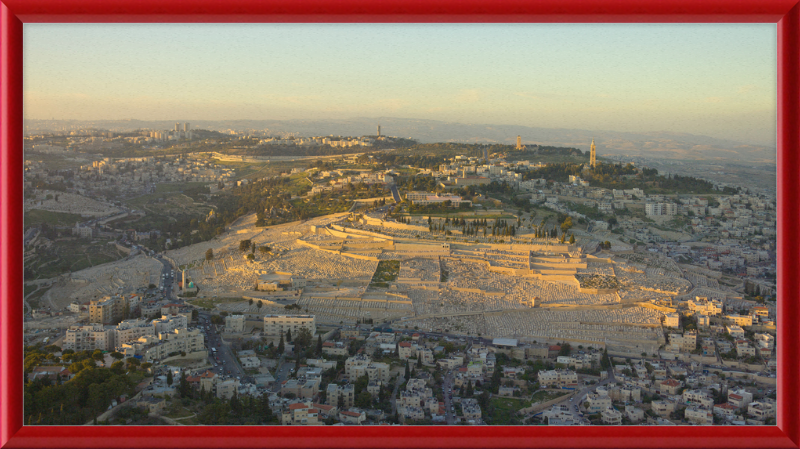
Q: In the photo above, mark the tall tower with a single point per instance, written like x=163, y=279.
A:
x=186, y=127
x=592, y=155
x=379, y=130
x=519, y=142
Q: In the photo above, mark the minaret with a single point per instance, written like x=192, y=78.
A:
x=592, y=155
x=519, y=142
x=379, y=130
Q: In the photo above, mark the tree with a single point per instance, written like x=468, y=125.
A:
x=572, y=239
x=281, y=346
x=264, y=249
x=303, y=339
x=612, y=222
x=469, y=389
x=289, y=335
x=566, y=224
x=260, y=304
x=319, y=344
x=117, y=355
x=566, y=349
x=244, y=245
x=364, y=400
x=169, y=378
x=209, y=254
x=118, y=366
x=408, y=371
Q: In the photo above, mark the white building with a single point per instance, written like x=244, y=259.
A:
x=89, y=338
x=668, y=209
x=276, y=325
x=234, y=323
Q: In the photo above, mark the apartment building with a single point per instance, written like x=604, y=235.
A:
x=169, y=323
x=234, y=323
x=558, y=378
x=108, y=310
x=132, y=330
x=89, y=338
x=164, y=344
x=697, y=415
x=276, y=325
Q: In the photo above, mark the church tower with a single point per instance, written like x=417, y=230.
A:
x=592, y=155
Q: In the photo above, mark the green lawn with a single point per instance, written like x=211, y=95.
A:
x=504, y=410
x=33, y=300
x=69, y=256
x=177, y=187
x=210, y=303
x=387, y=271
x=35, y=216
x=30, y=289
x=544, y=396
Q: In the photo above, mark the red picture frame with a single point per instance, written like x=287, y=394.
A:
x=14, y=13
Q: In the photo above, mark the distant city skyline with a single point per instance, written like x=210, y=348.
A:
x=717, y=80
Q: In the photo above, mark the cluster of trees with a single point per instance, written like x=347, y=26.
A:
x=422, y=183
x=85, y=396
x=443, y=208
x=397, y=160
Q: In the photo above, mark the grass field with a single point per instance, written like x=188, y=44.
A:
x=177, y=187
x=210, y=303
x=35, y=216
x=33, y=300
x=504, y=410
x=30, y=289
x=544, y=396
x=387, y=271
x=70, y=255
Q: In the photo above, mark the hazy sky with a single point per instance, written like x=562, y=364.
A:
x=716, y=80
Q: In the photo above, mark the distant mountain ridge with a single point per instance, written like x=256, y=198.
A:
x=660, y=144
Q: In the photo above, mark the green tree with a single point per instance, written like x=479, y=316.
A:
x=289, y=335
x=244, y=245
x=210, y=254
x=169, y=378
x=363, y=400
x=303, y=339
x=281, y=346
x=319, y=344
x=566, y=224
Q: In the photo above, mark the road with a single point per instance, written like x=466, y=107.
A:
x=283, y=371
x=574, y=404
x=400, y=379
x=447, y=386
x=227, y=362
x=168, y=282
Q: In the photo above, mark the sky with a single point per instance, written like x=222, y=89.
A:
x=717, y=80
